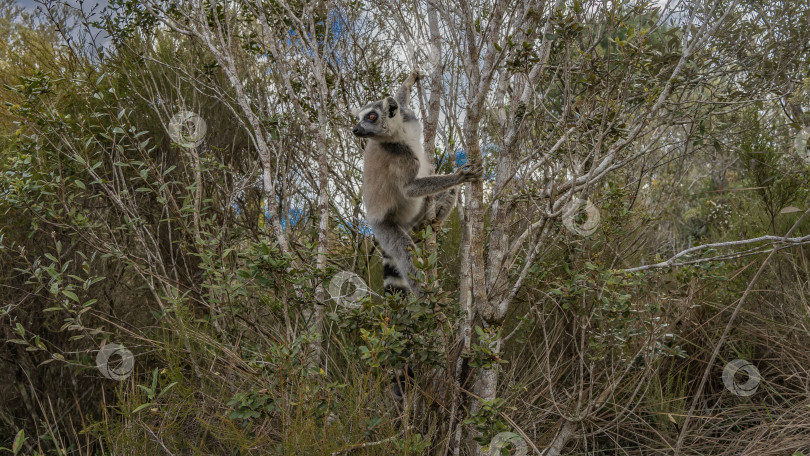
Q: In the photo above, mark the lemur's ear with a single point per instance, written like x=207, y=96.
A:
x=392, y=106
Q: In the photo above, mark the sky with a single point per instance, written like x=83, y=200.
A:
x=100, y=38
x=31, y=4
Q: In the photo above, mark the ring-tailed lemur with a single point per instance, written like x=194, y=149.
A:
x=397, y=177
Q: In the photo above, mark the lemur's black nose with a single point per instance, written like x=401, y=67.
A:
x=355, y=130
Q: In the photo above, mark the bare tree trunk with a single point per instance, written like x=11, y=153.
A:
x=270, y=198
x=316, y=316
x=431, y=121
x=465, y=301
x=316, y=312
x=561, y=438
x=480, y=77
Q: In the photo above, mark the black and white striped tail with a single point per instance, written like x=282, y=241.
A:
x=393, y=281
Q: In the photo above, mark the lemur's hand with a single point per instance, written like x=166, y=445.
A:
x=470, y=173
x=417, y=74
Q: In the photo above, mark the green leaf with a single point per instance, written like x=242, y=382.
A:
x=141, y=407
x=18, y=442
x=167, y=388
x=71, y=295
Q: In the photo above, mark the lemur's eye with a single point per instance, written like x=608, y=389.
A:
x=372, y=117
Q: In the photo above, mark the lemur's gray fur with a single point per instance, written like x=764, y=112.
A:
x=397, y=176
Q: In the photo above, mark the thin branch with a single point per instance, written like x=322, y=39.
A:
x=671, y=262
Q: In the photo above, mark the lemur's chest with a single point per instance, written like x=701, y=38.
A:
x=403, y=163
x=388, y=168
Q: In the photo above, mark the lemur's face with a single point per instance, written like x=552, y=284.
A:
x=375, y=118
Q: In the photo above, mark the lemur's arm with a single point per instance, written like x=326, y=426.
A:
x=403, y=95
x=432, y=185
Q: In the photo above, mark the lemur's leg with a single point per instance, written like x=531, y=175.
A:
x=444, y=204
x=396, y=243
